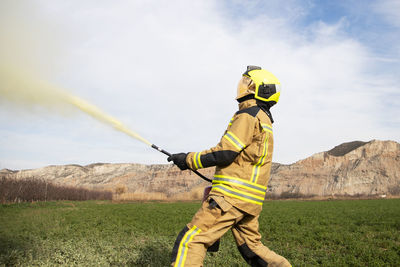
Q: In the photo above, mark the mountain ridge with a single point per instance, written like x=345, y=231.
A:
x=350, y=169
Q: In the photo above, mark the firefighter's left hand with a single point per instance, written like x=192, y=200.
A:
x=179, y=160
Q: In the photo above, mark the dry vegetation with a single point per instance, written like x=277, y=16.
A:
x=30, y=189
x=195, y=194
x=12, y=190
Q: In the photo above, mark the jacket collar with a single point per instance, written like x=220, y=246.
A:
x=247, y=104
x=252, y=102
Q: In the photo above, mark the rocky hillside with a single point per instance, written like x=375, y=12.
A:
x=350, y=169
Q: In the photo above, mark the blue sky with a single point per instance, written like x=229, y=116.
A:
x=169, y=70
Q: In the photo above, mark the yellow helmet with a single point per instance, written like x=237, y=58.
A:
x=262, y=83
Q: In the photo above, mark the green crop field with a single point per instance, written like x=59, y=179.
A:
x=91, y=233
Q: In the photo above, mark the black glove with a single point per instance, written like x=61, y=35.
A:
x=179, y=160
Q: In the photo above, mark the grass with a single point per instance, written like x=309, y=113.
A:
x=102, y=233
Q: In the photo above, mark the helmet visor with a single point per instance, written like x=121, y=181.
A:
x=245, y=87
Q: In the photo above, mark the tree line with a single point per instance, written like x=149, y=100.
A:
x=31, y=189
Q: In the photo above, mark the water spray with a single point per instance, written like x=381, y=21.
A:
x=100, y=115
x=21, y=88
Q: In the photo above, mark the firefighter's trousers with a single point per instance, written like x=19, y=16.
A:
x=210, y=223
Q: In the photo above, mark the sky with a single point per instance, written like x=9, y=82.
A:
x=169, y=70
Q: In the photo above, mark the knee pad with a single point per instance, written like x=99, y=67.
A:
x=214, y=247
x=250, y=257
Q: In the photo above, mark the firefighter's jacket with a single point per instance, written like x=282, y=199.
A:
x=242, y=158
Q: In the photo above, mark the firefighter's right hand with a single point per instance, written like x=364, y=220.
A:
x=179, y=160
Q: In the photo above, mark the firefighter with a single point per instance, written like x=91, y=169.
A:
x=243, y=160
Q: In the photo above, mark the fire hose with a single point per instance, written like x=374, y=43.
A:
x=169, y=154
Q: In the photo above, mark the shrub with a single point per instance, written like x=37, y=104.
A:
x=30, y=189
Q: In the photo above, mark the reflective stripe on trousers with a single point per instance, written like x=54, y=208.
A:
x=183, y=246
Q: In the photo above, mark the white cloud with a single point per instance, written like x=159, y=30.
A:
x=170, y=69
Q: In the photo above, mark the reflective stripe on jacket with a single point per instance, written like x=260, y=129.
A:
x=243, y=158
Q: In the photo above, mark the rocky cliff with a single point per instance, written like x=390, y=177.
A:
x=350, y=169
